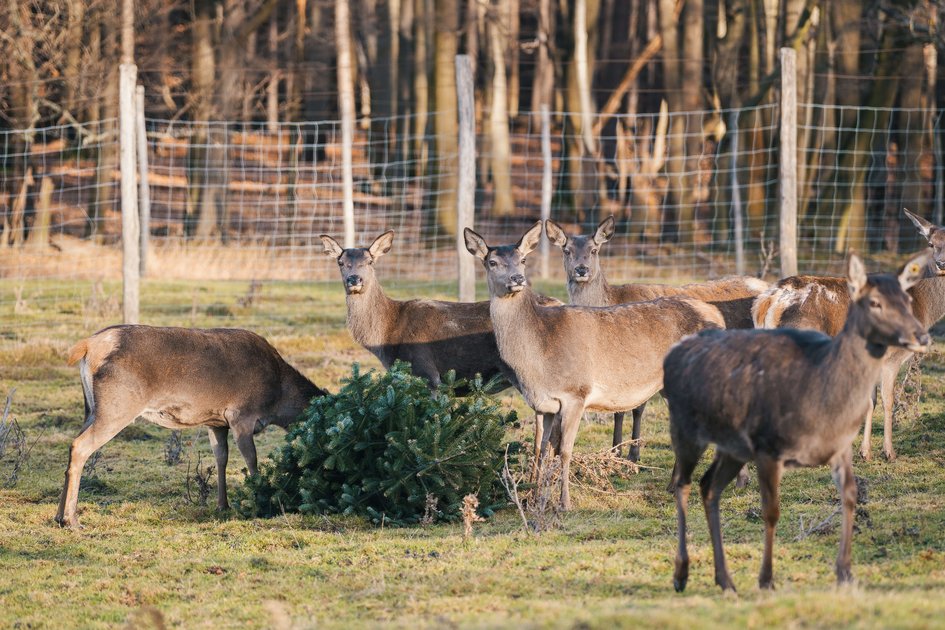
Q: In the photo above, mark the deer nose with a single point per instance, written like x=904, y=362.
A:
x=581, y=271
x=920, y=342
x=353, y=281
x=517, y=278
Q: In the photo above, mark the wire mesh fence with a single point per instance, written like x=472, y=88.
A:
x=236, y=207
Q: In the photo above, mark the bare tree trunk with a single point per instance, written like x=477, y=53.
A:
x=514, y=87
x=272, y=89
x=105, y=184
x=502, y=202
x=199, y=216
x=543, y=84
x=421, y=86
x=911, y=147
x=694, y=183
x=445, y=123
x=74, y=46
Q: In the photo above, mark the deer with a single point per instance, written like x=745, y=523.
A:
x=433, y=336
x=569, y=359
x=782, y=398
x=821, y=303
x=181, y=378
x=588, y=286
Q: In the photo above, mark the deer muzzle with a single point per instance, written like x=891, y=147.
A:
x=354, y=284
x=516, y=283
x=919, y=343
x=582, y=273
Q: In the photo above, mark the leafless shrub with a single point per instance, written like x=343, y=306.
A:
x=91, y=465
x=429, y=511
x=198, y=485
x=539, y=505
x=909, y=391
x=826, y=525
x=12, y=442
x=596, y=471
x=99, y=303
x=251, y=295
x=470, y=503
x=19, y=304
x=766, y=255
x=173, y=448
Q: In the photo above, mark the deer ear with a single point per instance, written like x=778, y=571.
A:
x=913, y=271
x=605, y=230
x=856, y=276
x=530, y=239
x=475, y=244
x=555, y=233
x=332, y=248
x=381, y=244
x=925, y=228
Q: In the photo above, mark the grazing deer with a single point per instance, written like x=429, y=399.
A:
x=821, y=303
x=782, y=398
x=433, y=336
x=569, y=359
x=587, y=286
x=181, y=378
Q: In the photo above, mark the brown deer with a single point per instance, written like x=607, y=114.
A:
x=821, y=303
x=782, y=398
x=587, y=286
x=569, y=359
x=433, y=336
x=181, y=378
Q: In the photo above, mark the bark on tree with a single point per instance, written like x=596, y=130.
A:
x=445, y=122
x=502, y=202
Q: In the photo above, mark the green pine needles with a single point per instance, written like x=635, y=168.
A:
x=388, y=448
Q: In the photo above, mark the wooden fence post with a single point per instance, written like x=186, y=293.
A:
x=130, y=235
x=788, y=163
x=346, y=105
x=144, y=188
x=466, y=195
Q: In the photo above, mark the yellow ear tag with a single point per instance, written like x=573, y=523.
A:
x=914, y=268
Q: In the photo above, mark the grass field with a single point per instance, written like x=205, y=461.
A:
x=148, y=557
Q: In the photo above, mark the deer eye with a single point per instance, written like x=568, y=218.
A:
x=341, y=263
x=593, y=251
x=874, y=303
x=493, y=263
x=566, y=251
x=523, y=261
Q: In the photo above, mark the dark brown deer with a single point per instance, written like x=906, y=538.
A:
x=782, y=398
x=181, y=378
x=569, y=359
x=433, y=336
x=821, y=303
x=587, y=286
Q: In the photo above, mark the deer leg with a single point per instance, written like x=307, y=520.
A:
x=101, y=425
x=865, y=447
x=618, y=433
x=769, y=482
x=539, y=445
x=888, y=392
x=221, y=452
x=681, y=484
x=634, y=455
x=741, y=480
x=247, y=446
x=571, y=412
x=716, y=478
x=846, y=485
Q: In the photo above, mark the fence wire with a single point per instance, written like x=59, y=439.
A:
x=236, y=209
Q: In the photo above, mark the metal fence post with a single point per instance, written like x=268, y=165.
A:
x=466, y=195
x=788, y=163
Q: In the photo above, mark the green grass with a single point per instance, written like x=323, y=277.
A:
x=143, y=547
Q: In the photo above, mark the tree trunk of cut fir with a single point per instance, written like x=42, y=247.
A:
x=502, y=202
x=445, y=123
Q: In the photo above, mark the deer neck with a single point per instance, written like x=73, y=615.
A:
x=518, y=329
x=371, y=315
x=852, y=366
x=929, y=300
x=595, y=292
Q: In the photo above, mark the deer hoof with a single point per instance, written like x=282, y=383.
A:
x=844, y=576
x=680, y=584
x=634, y=454
x=766, y=584
x=890, y=455
x=726, y=583
x=866, y=455
x=70, y=522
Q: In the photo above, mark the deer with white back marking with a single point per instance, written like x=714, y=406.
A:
x=587, y=286
x=181, y=378
x=821, y=303
x=568, y=359
x=782, y=398
x=432, y=335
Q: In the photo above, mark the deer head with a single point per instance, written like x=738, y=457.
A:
x=505, y=264
x=357, y=263
x=935, y=235
x=884, y=308
x=581, y=253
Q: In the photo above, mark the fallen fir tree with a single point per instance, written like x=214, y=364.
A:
x=388, y=448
